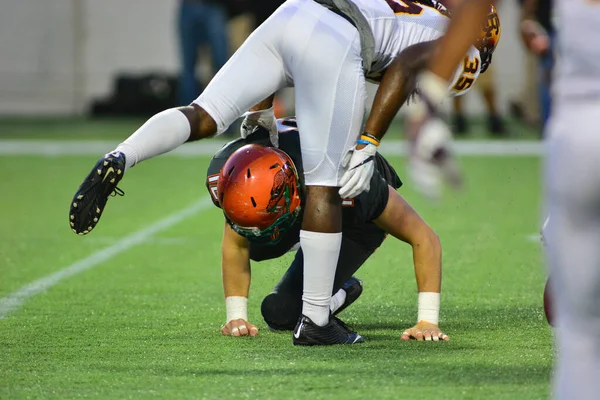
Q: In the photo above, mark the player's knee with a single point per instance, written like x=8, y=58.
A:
x=281, y=311
x=201, y=123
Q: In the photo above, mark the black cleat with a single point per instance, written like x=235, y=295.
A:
x=307, y=333
x=353, y=288
x=91, y=197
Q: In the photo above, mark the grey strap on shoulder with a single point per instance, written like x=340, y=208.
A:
x=367, y=40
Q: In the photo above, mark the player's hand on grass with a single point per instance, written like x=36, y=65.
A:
x=424, y=330
x=239, y=327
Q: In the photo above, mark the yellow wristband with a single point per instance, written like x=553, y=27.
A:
x=369, y=139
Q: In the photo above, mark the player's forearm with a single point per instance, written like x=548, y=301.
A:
x=235, y=267
x=427, y=258
x=465, y=25
x=236, y=283
x=397, y=84
x=400, y=220
x=236, y=273
x=264, y=104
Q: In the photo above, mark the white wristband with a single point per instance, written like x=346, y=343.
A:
x=237, y=308
x=429, y=307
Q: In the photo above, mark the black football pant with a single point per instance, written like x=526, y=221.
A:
x=281, y=308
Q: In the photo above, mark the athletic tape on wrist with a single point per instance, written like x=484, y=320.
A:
x=429, y=307
x=237, y=307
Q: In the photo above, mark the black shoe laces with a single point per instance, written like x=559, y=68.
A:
x=116, y=192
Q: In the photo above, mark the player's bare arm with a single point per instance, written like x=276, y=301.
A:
x=401, y=221
x=236, y=283
x=396, y=86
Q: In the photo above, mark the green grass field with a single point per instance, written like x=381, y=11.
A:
x=144, y=322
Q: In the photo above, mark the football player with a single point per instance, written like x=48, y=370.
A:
x=473, y=22
x=324, y=48
x=572, y=199
x=261, y=192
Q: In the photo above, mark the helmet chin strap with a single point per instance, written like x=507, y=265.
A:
x=486, y=59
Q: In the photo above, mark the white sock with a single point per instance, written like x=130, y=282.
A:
x=321, y=253
x=337, y=300
x=162, y=133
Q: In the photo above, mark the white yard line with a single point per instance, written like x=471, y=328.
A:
x=57, y=148
x=14, y=300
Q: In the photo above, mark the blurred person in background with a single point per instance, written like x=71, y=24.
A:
x=525, y=106
x=261, y=10
x=200, y=22
x=537, y=31
x=486, y=84
x=572, y=198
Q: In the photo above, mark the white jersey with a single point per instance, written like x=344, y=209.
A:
x=577, y=72
x=416, y=23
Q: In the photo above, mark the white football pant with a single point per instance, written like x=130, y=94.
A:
x=572, y=235
x=304, y=45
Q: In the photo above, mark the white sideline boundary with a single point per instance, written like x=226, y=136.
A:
x=59, y=148
x=15, y=299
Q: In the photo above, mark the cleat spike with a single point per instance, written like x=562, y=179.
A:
x=99, y=171
x=86, y=231
x=73, y=224
x=72, y=217
x=74, y=230
x=119, y=172
x=98, y=211
x=112, y=180
x=90, y=228
x=75, y=205
x=80, y=197
x=80, y=233
x=95, y=219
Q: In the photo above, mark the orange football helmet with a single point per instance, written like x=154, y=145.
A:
x=259, y=192
x=489, y=38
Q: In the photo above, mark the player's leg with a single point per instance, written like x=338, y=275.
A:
x=487, y=86
x=217, y=34
x=254, y=72
x=283, y=306
x=572, y=237
x=330, y=97
x=461, y=125
x=189, y=39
